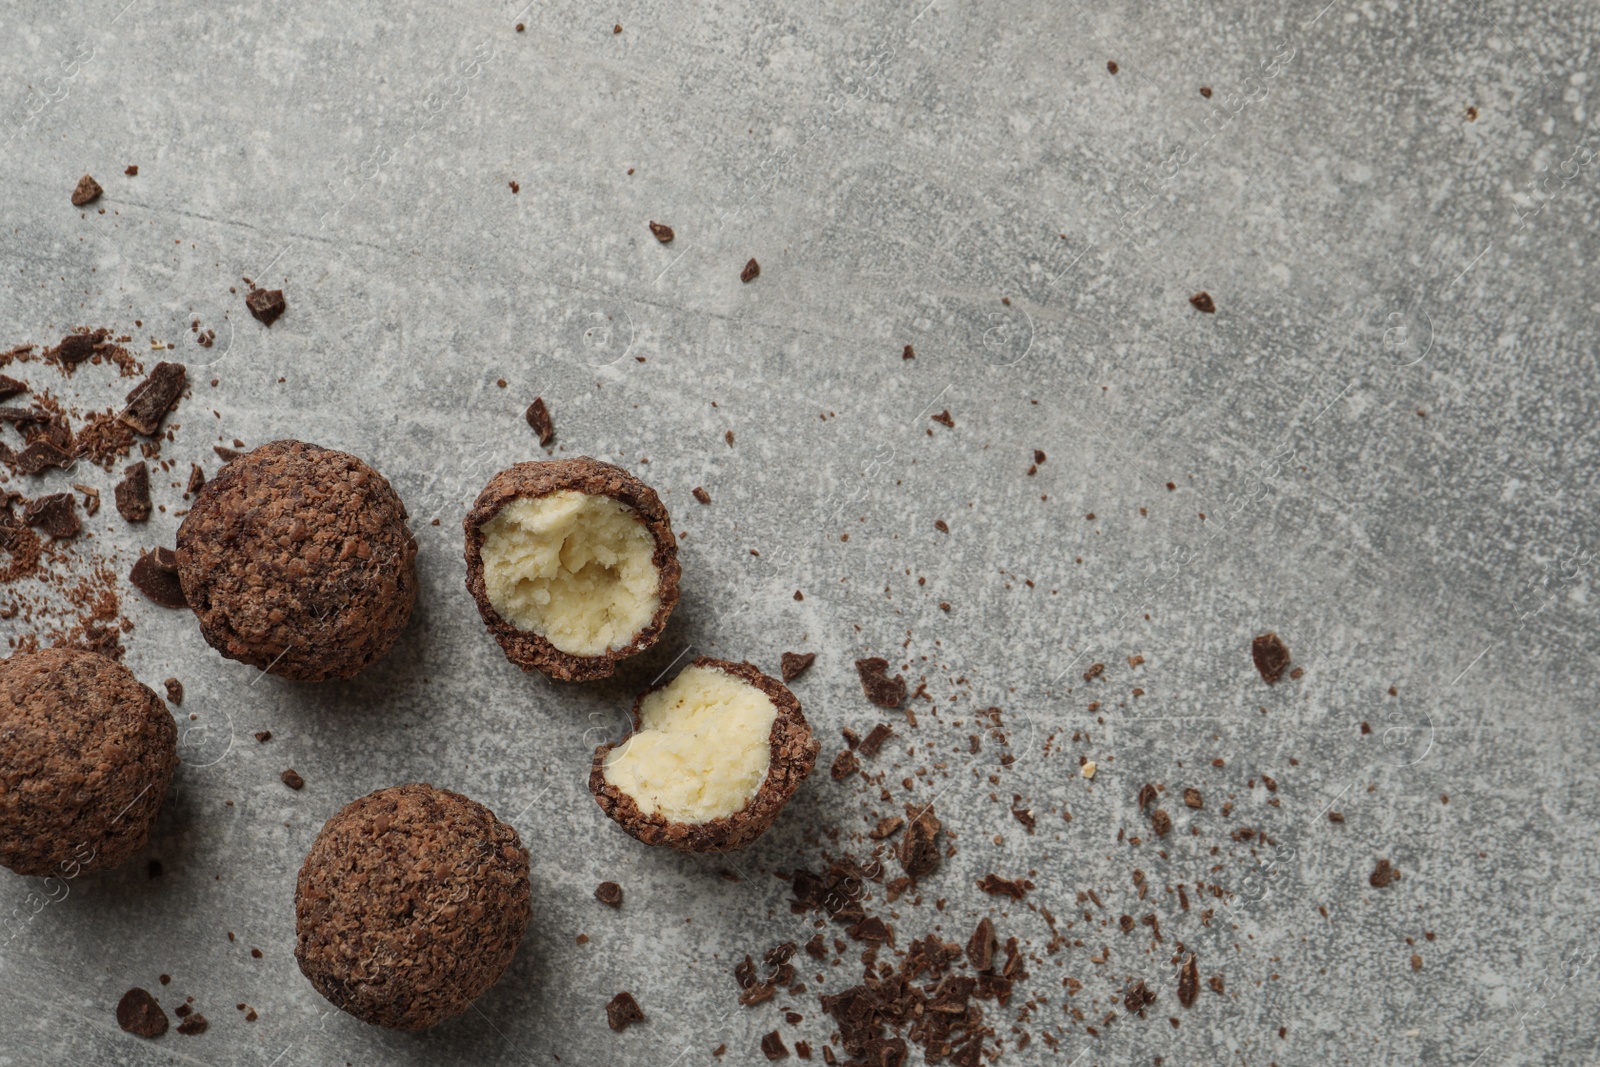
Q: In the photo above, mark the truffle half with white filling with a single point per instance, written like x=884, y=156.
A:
x=713, y=757
x=573, y=566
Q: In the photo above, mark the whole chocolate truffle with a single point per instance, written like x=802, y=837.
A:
x=713, y=757
x=410, y=905
x=573, y=565
x=86, y=754
x=297, y=559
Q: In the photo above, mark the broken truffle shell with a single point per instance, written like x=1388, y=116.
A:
x=410, y=904
x=573, y=566
x=297, y=560
x=86, y=754
x=688, y=777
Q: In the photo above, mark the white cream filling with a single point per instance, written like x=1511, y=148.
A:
x=702, y=749
x=573, y=568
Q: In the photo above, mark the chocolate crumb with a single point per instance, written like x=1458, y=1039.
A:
x=193, y=1025
x=255, y=954
x=752, y=271
x=700, y=494
x=887, y=827
x=1205, y=91
x=174, y=692
x=1147, y=796
x=292, y=779
x=87, y=192
x=844, y=765
x=150, y=400
x=1138, y=998
x=919, y=849
x=1336, y=816
x=538, y=416
x=1271, y=656
x=197, y=480
x=944, y=419
x=875, y=739
x=728, y=437
x=879, y=688
x=132, y=170
x=157, y=583
x=1202, y=302
x=662, y=233
x=1160, y=822
x=623, y=1012
x=1111, y=66
x=772, y=1046
x=908, y=353
x=263, y=736
x=133, y=493
x=941, y=526
x=1215, y=982
x=1095, y=670
x=609, y=894
x=267, y=305
x=797, y=663
x=995, y=886
x=1193, y=799
x=140, y=1015
x=1384, y=873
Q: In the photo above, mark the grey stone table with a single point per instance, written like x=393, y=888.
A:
x=1382, y=445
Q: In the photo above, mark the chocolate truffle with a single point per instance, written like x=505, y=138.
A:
x=297, y=560
x=86, y=754
x=714, y=755
x=410, y=905
x=573, y=566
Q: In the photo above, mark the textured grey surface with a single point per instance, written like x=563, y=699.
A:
x=897, y=170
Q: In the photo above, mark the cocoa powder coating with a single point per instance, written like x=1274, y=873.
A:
x=410, y=904
x=86, y=754
x=297, y=560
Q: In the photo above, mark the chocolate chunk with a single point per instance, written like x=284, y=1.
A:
x=87, y=192
x=197, y=480
x=844, y=765
x=1271, y=656
x=39, y=455
x=152, y=398
x=174, y=691
x=623, y=1012
x=704, y=497
x=772, y=1046
x=10, y=387
x=919, y=849
x=797, y=663
x=292, y=779
x=944, y=419
x=194, y=1024
x=871, y=928
x=662, y=232
x=140, y=1015
x=609, y=893
x=538, y=416
x=266, y=305
x=133, y=493
x=1202, y=302
x=875, y=739
x=1160, y=822
x=982, y=945
x=1188, y=981
x=882, y=690
x=1138, y=997
x=56, y=515
x=1193, y=799
x=157, y=583
x=1384, y=873
x=752, y=271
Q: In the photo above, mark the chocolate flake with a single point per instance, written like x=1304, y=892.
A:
x=292, y=779
x=882, y=690
x=266, y=305
x=140, y=1015
x=133, y=493
x=752, y=271
x=538, y=416
x=982, y=945
x=623, y=1012
x=56, y=515
x=919, y=849
x=662, y=232
x=152, y=398
x=87, y=192
x=156, y=582
x=1202, y=302
x=797, y=663
x=875, y=739
x=1271, y=656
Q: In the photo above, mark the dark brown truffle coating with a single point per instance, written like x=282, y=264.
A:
x=531, y=651
x=410, y=904
x=297, y=559
x=794, y=752
x=86, y=755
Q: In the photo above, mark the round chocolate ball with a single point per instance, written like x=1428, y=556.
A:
x=410, y=905
x=86, y=754
x=297, y=559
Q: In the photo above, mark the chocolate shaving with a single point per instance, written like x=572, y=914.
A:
x=1271, y=656
x=157, y=583
x=882, y=690
x=538, y=416
x=56, y=515
x=266, y=305
x=152, y=398
x=795, y=663
x=623, y=1012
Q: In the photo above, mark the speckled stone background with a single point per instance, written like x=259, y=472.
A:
x=1383, y=446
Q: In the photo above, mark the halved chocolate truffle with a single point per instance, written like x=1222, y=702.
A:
x=573, y=565
x=410, y=904
x=86, y=755
x=297, y=559
x=713, y=757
